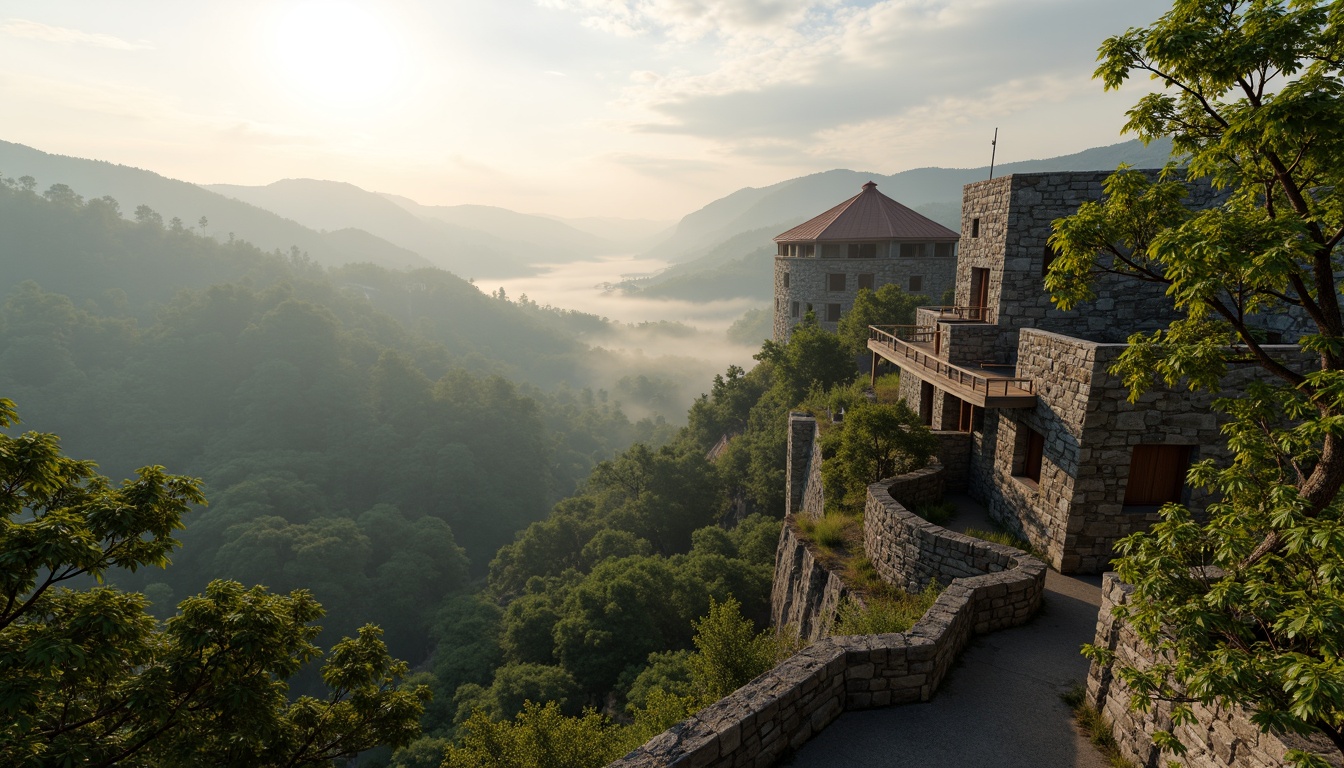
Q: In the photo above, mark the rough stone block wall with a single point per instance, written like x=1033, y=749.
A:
x=914, y=489
x=803, y=468
x=783, y=708
x=973, y=344
x=1220, y=737
x=804, y=596
x=954, y=453
x=808, y=284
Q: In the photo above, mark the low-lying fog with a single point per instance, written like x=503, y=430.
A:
x=686, y=360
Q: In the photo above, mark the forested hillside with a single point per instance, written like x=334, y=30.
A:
x=340, y=450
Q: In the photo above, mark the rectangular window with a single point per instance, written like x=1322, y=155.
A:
x=832, y=313
x=1047, y=258
x=867, y=281
x=832, y=251
x=782, y=250
x=835, y=281
x=1156, y=475
x=862, y=250
x=913, y=250
x=1032, y=448
x=808, y=250
x=786, y=279
x=916, y=282
x=793, y=309
x=975, y=227
x=926, y=403
x=944, y=250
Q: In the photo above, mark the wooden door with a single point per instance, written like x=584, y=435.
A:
x=1157, y=475
x=979, y=292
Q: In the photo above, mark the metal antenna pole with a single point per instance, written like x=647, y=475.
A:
x=993, y=150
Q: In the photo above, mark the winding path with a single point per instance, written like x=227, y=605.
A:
x=1000, y=705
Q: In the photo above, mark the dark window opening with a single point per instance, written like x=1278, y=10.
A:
x=913, y=250
x=867, y=281
x=793, y=310
x=916, y=282
x=835, y=281
x=977, y=419
x=1033, y=447
x=832, y=313
x=807, y=251
x=786, y=279
x=926, y=403
x=944, y=250
x=1156, y=475
x=975, y=227
x=782, y=250
x=863, y=250
x=1047, y=259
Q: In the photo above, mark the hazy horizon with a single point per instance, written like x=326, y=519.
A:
x=569, y=108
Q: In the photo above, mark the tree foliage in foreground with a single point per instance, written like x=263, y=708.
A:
x=1246, y=606
x=89, y=678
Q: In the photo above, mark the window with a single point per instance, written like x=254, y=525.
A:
x=835, y=281
x=786, y=279
x=832, y=313
x=776, y=305
x=913, y=250
x=965, y=414
x=1031, y=447
x=806, y=251
x=916, y=282
x=867, y=281
x=975, y=227
x=862, y=250
x=782, y=250
x=793, y=309
x=944, y=250
x=1047, y=259
x=1156, y=475
x=832, y=251
x=926, y=403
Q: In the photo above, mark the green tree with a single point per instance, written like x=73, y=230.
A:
x=729, y=652
x=875, y=441
x=888, y=305
x=88, y=677
x=541, y=736
x=1247, y=605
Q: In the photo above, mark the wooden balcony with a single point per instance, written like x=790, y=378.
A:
x=912, y=348
x=959, y=314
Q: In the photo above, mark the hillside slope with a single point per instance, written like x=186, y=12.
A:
x=171, y=198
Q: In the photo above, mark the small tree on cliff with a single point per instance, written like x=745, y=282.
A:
x=1247, y=605
x=89, y=678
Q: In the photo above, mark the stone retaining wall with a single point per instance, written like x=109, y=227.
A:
x=803, y=469
x=954, y=453
x=1219, y=738
x=783, y=708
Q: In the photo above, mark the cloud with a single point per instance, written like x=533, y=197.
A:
x=33, y=30
x=807, y=79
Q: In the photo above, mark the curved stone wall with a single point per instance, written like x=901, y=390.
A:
x=783, y=708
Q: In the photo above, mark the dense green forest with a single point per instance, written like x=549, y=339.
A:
x=358, y=433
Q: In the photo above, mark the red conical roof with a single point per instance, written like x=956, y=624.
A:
x=869, y=215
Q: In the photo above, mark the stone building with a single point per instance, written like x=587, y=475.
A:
x=867, y=241
x=1057, y=451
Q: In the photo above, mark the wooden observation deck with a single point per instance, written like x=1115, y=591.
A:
x=913, y=348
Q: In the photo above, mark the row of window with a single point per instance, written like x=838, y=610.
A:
x=830, y=312
x=839, y=281
x=867, y=250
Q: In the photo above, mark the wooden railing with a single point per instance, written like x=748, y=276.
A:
x=890, y=336
x=977, y=314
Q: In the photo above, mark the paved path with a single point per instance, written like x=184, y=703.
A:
x=999, y=707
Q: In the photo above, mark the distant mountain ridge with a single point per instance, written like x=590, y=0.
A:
x=132, y=187
x=935, y=192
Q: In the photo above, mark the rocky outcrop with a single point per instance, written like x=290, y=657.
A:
x=805, y=596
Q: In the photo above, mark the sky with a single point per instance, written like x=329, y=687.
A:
x=616, y=108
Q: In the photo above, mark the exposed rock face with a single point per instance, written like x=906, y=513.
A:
x=805, y=596
x=1220, y=737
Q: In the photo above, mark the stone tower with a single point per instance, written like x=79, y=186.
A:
x=867, y=241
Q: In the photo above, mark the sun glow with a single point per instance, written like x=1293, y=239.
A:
x=342, y=54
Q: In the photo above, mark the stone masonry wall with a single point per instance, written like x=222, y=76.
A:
x=783, y=708
x=1220, y=737
x=809, y=284
x=972, y=344
x=954, y=453
x=1075, y=514
x=803, y=468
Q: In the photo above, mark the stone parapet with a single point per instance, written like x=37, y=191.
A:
x=974, y=344
x=1220, y=737
x=783, y=708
